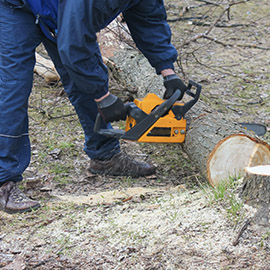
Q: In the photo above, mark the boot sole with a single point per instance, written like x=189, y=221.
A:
x=10, y=211
x=119, y=174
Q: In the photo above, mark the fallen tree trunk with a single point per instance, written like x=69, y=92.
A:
x=218, y=147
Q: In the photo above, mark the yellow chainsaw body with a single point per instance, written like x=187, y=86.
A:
x=167, y=129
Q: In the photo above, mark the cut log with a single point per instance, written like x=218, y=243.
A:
x=218, y=147
x=256, y=192
x=222, y=149
x=45, y=68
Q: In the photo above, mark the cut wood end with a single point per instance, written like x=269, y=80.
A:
x=233, y=154
x=259, y=170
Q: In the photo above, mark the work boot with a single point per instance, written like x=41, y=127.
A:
x=13, y=200
x=121, y=165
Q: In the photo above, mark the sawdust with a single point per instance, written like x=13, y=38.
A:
x=176, y=230
x=108, y=197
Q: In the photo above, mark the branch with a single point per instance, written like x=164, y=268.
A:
x=214, y=24
x=251, y=46
x=223, y=71
x=220, y=25
x=239, y=234
x=208, y=2
x=187, y=18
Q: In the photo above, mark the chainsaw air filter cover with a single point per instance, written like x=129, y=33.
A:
x=166, y=129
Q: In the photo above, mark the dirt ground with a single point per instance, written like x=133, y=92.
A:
x=171, y=220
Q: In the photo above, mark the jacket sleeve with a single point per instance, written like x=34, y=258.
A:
x=151, y=33
x=78, y=47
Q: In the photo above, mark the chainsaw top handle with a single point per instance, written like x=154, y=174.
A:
x=180, y=111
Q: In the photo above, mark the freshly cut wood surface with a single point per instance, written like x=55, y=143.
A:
x=234, y=153
x=259, y=170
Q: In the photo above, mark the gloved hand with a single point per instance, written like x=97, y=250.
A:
x=172, y=83
x=112, y=109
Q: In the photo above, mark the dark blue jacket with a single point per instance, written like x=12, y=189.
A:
x=76, y=22
x=45, y=12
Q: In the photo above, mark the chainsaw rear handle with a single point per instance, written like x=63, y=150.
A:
x=180, y=111
x=131, y=108
x=112, y=133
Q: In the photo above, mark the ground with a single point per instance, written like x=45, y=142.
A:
x=174, y=219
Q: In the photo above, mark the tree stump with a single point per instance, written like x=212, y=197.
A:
x=256, y=192
x=222, y=149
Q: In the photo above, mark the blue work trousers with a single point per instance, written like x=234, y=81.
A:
x=19, y=36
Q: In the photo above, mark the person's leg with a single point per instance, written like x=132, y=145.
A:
x=104, y=152
x=19, y=37
x=96, y=145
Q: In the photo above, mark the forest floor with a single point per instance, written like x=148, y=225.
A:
x=171, y=220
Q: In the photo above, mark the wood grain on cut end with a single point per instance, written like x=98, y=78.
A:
x=233, y=154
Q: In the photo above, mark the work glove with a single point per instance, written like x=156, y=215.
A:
x=111, y=108
x=172, y=83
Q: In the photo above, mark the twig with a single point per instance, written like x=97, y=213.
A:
x=239, y=234
x=41, y=263
x=251, y=46
x=122, y=34
x=223, y=71
x=43, y=224
x=220, y=25
x=208, y=2
x=212, y=25
x=187, y=18
x=60, y=116
x=127, y=199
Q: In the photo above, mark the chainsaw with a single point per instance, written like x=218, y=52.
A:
x=153, y=119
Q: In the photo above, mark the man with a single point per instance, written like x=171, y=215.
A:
x=68, y=30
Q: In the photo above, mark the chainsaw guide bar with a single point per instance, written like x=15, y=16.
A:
x=153, y=119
